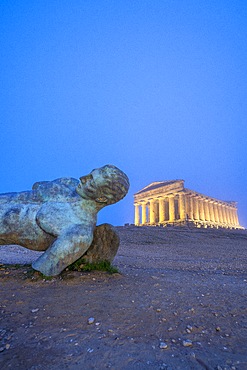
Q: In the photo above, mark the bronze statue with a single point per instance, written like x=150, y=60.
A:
x=59, y=217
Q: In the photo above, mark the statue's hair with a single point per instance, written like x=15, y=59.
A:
x=117, y=184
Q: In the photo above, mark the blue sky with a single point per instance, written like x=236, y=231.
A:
x=157, y=88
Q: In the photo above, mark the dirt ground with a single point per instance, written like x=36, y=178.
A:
x=178, y=302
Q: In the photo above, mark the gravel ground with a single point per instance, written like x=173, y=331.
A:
x=179, y=302
x=12, y=254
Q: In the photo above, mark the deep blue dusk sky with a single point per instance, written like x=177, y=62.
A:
x=157, y=88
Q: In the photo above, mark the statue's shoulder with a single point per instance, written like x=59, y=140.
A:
x=63, y=181
x=62, y=189
x=67, y=181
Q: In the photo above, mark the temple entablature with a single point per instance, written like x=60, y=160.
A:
x=170, y=203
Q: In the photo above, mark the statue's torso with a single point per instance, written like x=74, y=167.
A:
x=35, y=218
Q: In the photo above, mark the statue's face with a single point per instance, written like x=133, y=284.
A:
x=106, y=185
x=89, y=185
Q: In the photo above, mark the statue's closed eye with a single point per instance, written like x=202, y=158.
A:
x=101, y=200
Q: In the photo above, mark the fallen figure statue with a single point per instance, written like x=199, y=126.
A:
x=59, y=217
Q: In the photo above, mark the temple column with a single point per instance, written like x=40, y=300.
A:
x=206, y=208
x=228, y=215
x=152, y=212
x=156, y=211
x=137, y=215
x=201, y=210
x=144, y=214
x=231, y=216
x=216, y=212
x=181, y=206
x=236, y=218
x=165, y=200
x=211, y=211
x=220, y=213
x=196, y=208
x=186, y=201
x=171, y=208
x=224, y=214
x=161, y=210
x=190, y=207
x=148, y=213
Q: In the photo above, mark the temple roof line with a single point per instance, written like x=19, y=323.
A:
x=156, y=185
x=232, y=202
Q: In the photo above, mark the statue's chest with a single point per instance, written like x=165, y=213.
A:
x=56, y=217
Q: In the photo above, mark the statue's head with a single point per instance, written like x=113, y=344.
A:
x=105, y=185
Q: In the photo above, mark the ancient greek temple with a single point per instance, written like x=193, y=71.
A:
x=170, y=203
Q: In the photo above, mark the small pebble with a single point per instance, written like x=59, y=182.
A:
x=90, y=320
x=163, y=345
x=187, y=343
x=189, y=329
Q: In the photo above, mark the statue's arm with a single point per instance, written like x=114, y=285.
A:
x=71, y=244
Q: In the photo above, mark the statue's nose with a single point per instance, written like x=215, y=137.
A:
x=84, y=179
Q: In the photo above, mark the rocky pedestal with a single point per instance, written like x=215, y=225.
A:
x=104, y=246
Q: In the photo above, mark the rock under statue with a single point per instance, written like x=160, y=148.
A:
x=59, y=217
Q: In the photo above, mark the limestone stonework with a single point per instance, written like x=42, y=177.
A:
x=170, y=203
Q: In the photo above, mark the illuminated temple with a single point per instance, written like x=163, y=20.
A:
x=170, y=203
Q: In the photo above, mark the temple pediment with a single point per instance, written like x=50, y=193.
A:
x=160, y=184
x=159, y=188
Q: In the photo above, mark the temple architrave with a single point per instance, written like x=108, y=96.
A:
x=170, y=203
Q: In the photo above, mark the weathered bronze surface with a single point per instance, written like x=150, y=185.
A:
x=59, y=217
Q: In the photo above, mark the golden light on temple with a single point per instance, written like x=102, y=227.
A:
x=170, y=203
